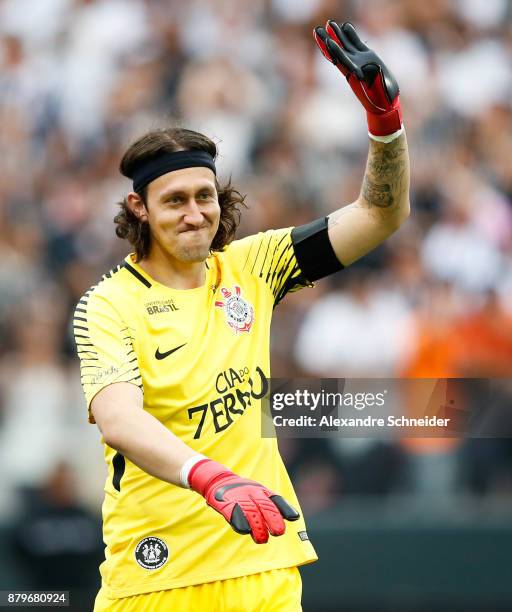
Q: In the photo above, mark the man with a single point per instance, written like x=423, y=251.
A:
x=174, y=349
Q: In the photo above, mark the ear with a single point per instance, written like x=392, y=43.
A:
x=137, y=206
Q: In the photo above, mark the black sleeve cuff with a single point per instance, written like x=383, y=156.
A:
x=314, y=251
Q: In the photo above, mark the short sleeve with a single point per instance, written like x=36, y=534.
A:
x=104, y=345
x=271, y=256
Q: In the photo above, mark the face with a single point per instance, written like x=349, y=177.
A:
x=183, y=213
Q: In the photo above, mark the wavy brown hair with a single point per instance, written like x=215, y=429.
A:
x=170, y=140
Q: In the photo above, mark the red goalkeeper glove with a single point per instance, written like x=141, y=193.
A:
x=248, y=506
x=366, y=73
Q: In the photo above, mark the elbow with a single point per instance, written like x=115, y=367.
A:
x=401, y=215
x=111, y=439
x=116, y=410
x=113, y=436
x=108, y=435
x=110, y=430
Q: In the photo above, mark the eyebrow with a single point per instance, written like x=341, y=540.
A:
x=178, y=191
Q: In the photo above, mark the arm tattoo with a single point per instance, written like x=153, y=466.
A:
x=385, y=184
x=385, y=179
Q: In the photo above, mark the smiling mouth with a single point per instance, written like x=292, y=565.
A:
x=193, y=230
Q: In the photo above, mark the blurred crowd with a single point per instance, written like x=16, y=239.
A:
x=80, y=79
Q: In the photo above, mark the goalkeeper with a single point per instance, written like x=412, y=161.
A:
x=174, y=354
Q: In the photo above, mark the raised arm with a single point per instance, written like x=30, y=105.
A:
x=383, y=203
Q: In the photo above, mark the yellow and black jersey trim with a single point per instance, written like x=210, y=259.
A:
x=273, y=259
x=90, y=362
x=119, y=466
x=137, y=274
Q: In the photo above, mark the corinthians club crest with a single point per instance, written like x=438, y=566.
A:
x=151, y=553
x=239, y=313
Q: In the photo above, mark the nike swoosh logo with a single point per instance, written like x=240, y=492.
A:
x=160, y=355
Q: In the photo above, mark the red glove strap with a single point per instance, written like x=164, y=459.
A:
x=387, y=123
x=199, y=480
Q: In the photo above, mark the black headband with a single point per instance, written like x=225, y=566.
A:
x=168, y=162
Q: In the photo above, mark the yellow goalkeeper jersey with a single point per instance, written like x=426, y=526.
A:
x=201, y=357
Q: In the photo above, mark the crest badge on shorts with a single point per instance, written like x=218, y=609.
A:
x=239, y=313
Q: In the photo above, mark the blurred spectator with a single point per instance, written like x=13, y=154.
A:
x=360, y=332
x=35, y=393
x=57, y=542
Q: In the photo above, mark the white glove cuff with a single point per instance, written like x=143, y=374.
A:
x=389, y=137
x=186, y=467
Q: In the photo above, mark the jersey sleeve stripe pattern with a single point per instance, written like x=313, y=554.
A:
x=271, y=257
x=106, y=354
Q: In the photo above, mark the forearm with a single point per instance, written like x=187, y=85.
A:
x=385, y=187
x=140, y=437
x=152, y=447
x=381, y=207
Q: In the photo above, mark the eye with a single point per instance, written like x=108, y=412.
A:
x=205, y=195
x=175, y=199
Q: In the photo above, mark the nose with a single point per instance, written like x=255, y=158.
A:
x=193, y=215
